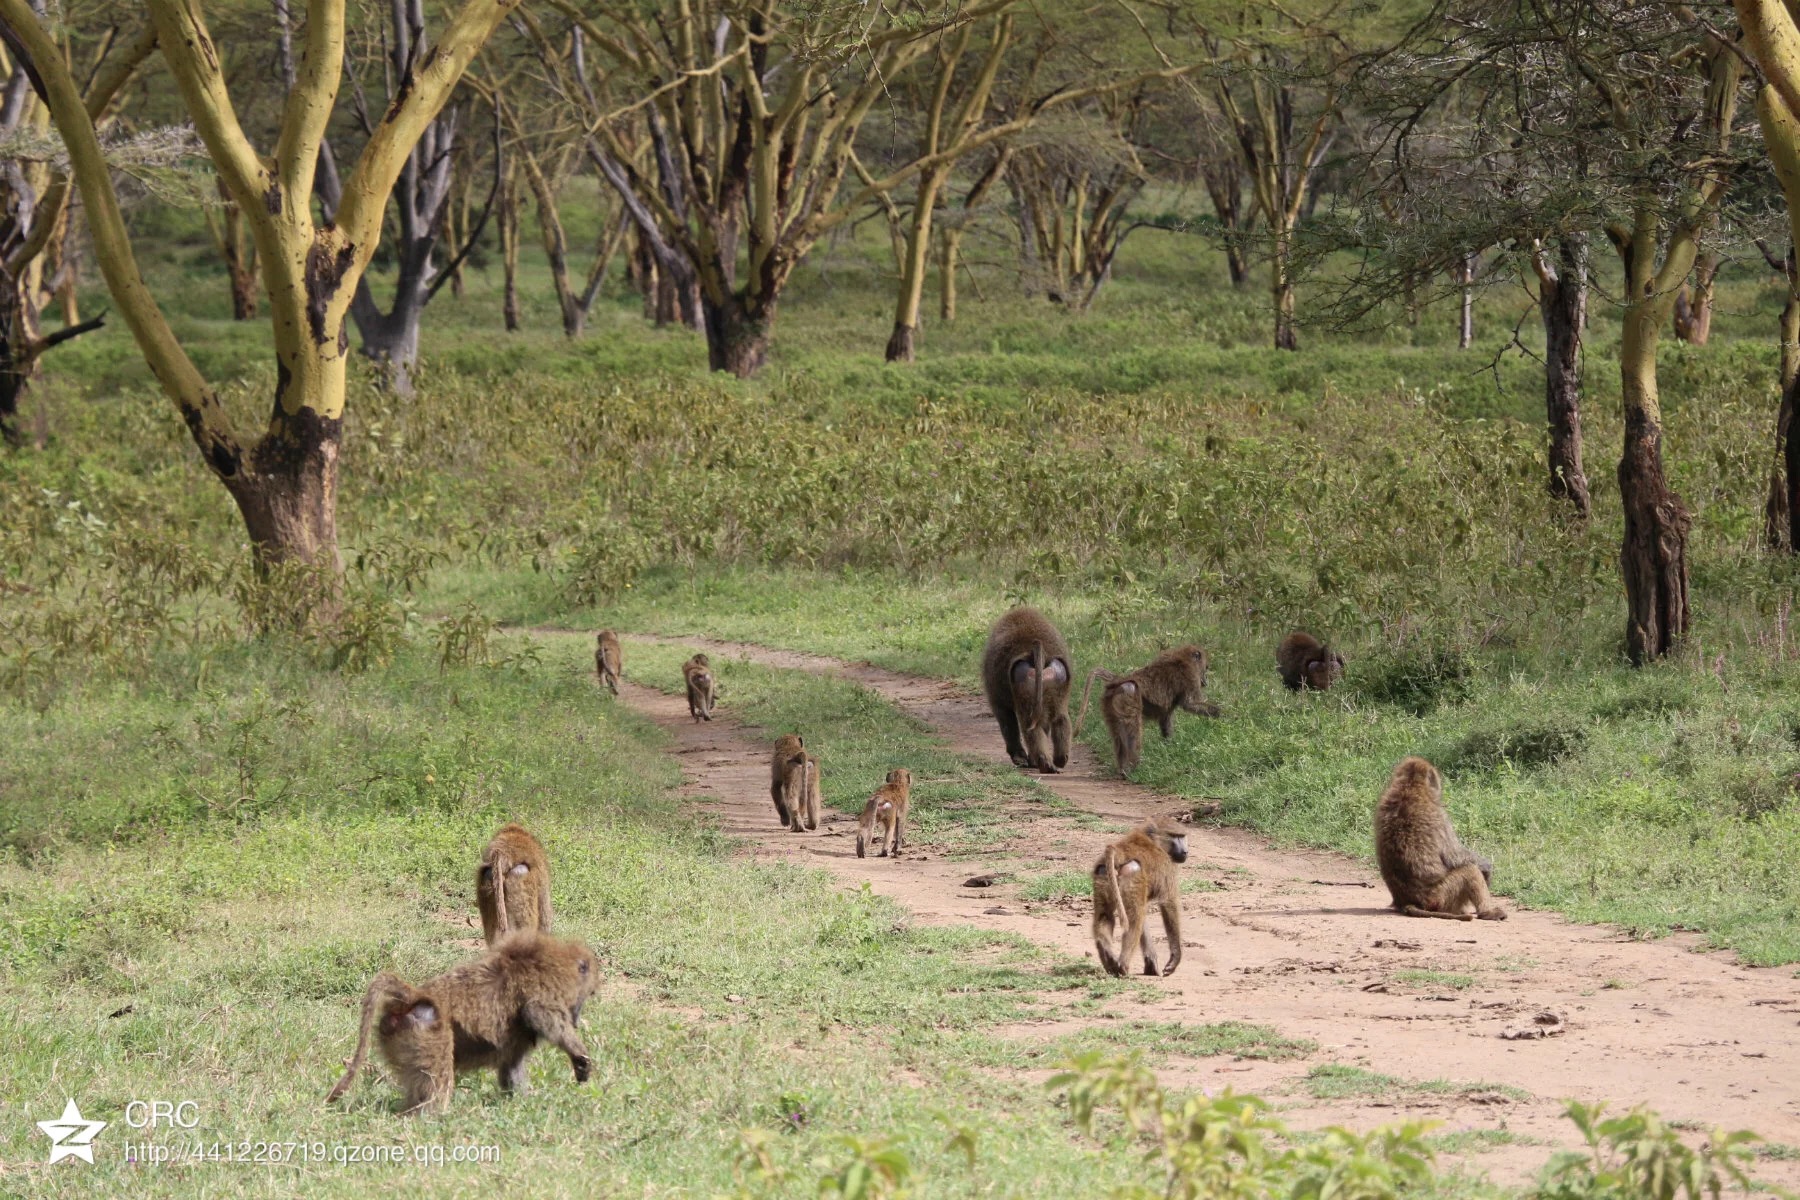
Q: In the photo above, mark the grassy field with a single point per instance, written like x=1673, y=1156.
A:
x=210, y=839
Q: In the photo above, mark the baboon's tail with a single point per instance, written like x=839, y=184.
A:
x=1037, y=683
x=502, y=922
x=1096, y=673
x=384, y=987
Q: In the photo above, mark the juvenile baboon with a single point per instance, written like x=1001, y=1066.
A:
x=1026, y=673
x=884, y=816
x=1306, y=662
x=1429, y=872
x=1133, y=873
x=1174, y=679
x=489, y=1012
x=697, y=671
x=1122, y=707
x=794, y=783
x=512, y=885
x=608, y=659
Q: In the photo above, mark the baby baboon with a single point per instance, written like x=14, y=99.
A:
x=697, y=671
x=884, y=816
x=1026, y=674
x=1133, y=873
x=1427, y=869
x=1174, y=679
x=794, y=783
x=512, y=886
x=486, y=1013
x=1306, y=662
x=608, y=658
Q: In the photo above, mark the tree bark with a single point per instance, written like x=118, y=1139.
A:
x=508, y=218
x=1654, y=554
x=737, y=339
x=1562, y=304
x=1784, y=481
x=949, y=252
x=912, y=268
x=1281, y=284
x=1694, y=303
x=1465, y=275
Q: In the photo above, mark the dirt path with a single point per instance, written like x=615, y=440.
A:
x=1302, y=941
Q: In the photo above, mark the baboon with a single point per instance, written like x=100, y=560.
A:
x=608, y=658
x=1174, y=679
x=884, y=816
x=794, y=784
x=1429, y=872
x=489, y=1012
x=1306, y=662
x=1133, y=873
x=1026, y=673
x=1122, y=707
x=512, y=886
x=697, y=671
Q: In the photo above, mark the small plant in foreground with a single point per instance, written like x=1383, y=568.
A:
x=1639, y=1156
x=1227, y=1146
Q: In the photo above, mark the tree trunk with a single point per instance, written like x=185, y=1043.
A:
x=737, y=340
x=1562, y=303
x=289, y=497
x=390, y=339
x=1281, y=284
x=19, y=368
x=1784, y=480
x=1694, y=306
x=1465, y=275
x=912, y=268
x=243, y=291
x=951, y=250
x=1654, y=553
x=507, y=220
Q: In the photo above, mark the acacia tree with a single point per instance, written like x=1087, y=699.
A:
x=285, y=481
x=421, y=200
x=1278, y=86
x=34, y=208
x=753, y=111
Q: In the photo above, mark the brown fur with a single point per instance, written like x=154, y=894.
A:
x=1122, y=707
x=794, y=784
x=1174, y=679
x=1306, y=662
x=512, y=886
x=884, y=816
x=489, y=1012
x=1133, y=873
x=1026, y=672
x=1429, y=872
x=702, y=691
x=608, y=659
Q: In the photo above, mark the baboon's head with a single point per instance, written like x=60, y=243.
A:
x=1415, y=773
x=1171, y=838
x=900, y=775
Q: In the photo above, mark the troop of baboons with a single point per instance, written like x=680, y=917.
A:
x=490, y=1011
x=529, y=986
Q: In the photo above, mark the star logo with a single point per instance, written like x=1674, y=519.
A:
x=70, y=1136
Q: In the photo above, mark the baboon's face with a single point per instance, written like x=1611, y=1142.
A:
x=1176, y=844
x=1199, y=660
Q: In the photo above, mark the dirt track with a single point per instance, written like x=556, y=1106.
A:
x=1303, y=942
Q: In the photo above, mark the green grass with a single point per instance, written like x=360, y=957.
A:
x=1336, y=1081
x=1057, y=885
x=230, y=942
x=1435, y=979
